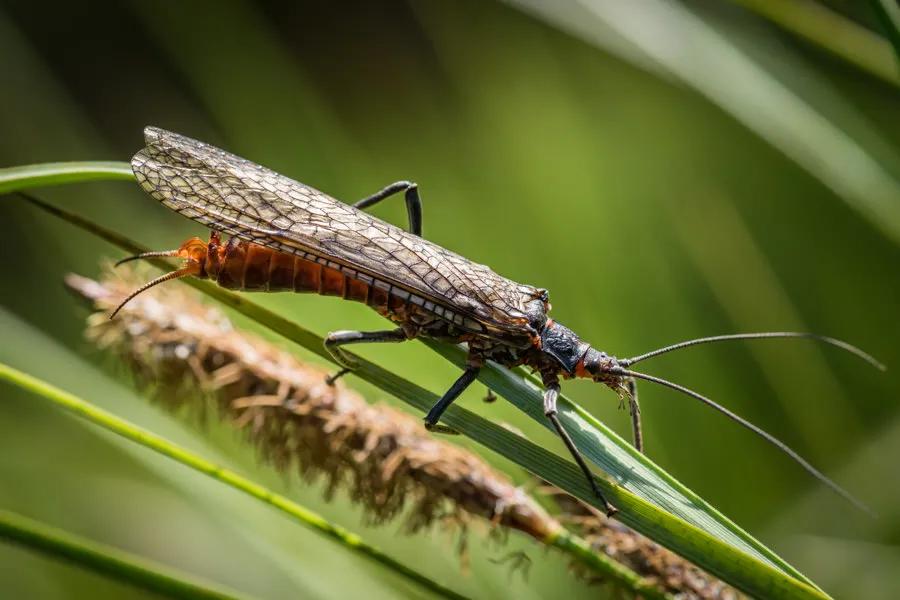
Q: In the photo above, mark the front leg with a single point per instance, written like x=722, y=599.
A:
x=413, y=202
x=336, y=339
x=634, y=408
x=550, y=410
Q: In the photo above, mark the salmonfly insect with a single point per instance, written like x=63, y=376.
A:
x=287, y=236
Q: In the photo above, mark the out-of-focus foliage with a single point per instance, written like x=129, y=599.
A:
x=650, y=212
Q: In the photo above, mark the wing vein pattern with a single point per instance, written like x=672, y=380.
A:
x=236, y=196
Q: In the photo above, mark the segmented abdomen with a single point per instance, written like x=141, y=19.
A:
x=248, y=266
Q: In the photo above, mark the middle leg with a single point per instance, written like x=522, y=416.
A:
x=458, y=387
x=336, y=339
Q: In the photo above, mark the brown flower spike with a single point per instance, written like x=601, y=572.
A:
x=177, y=346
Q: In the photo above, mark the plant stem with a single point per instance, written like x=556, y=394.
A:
x=150, y=440
x=106, y=560
x=29, y=176
x=832, y=32
x=576, y=546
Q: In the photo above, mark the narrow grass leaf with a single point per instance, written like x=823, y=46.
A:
x=888, y=13
x=132, y=432
x=673, y=40
x=833, y=32
x=107, y=561
x=45, y=174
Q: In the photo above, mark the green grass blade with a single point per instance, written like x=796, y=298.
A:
x=610, y=452
x=105, y=560
x=148, y=439
x=44, y=174
x=888, y=13
x=831, y=31
x=650, y=500
x=855, y=162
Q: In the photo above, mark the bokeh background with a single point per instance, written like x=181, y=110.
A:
x=666, y=170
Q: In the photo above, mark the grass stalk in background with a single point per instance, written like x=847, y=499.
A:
x=851, y=159
x=686, y=524
x=105, y=560
x=110, y=422
x=888, y=14
x=831, y=31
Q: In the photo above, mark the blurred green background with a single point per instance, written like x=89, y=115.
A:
x=666, y=170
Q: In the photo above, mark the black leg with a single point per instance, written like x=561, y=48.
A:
x=550, y=395
x=635, y=409
x=413, y=202
x=336, y=339
x=434, y=415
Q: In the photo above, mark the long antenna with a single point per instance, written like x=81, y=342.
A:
x=755, y=429
x=182, y=272
x=155, y=254
x=756, y=336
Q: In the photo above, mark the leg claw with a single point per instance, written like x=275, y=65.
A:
x=333, y=378
x=438, y=428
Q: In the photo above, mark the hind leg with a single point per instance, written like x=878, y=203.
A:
x=413, y=202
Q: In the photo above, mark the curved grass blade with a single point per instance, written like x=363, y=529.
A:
x=259, y=529
x=831, y=31
x=150, y=440
x=105, y=560
x=888, y=13
x=613, y=455
x=692, y=529
x=44, y=174
x=853, y=160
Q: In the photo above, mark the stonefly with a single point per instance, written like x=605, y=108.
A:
x=287, y=236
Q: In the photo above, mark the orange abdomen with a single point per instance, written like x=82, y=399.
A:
x=248, y=266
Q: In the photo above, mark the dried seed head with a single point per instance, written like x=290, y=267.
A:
x=177, y=347
x=188, y=356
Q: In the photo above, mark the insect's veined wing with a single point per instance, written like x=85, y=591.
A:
x=236, y=196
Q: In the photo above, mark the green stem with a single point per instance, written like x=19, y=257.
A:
x=29, y=176
x=150, y=440
x=105, y=560
x=832, y=32
x=600, y=563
